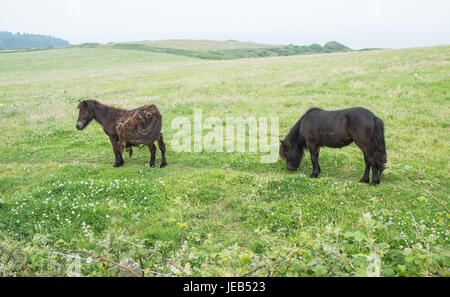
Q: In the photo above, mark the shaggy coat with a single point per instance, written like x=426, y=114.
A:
x=126, y=128
x=337, y=128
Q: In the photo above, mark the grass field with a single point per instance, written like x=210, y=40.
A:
x=222, y=214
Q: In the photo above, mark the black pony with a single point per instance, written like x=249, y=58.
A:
x=337, y=128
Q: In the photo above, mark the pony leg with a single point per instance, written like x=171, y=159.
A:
x=375, y=176
x=129, y=149
x=152, y=149
x=117, y=153
x=372, y=163
x=162, y=148
x=314, y=154
x=363, y=142
x=365, y=178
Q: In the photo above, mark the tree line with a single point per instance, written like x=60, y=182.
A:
x=25, y=40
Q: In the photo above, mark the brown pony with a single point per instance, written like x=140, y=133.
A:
x=137, y=127
x=337, y=128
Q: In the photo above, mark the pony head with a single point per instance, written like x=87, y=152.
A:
x=292, y=153
x=86, y=113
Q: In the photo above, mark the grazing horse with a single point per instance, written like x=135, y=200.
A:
x=137, y=127
x=337, y=128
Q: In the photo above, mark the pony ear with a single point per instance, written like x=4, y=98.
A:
x=85, y=104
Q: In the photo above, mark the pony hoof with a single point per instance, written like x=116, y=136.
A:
x=313, y=175
x=163, y=165
x=375, y=183
x=117, y=164
x=152, y=164
x=364, y=181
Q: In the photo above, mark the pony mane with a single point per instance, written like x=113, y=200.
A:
x=294, y=140
x=294, y=135
x=92, y=102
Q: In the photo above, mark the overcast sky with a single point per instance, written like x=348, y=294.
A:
x=355, y=23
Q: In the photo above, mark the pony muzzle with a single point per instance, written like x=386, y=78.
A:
x=291, y=168
x=80, y=126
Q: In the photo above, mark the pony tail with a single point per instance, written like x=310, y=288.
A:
x=378, y=144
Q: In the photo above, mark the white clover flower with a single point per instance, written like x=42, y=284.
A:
x=367, y=215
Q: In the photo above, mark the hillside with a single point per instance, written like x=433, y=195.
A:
x=19, y=40
x=222, y=50
x=222, y=213
x=203, y=45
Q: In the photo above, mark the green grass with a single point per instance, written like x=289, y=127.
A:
x=219, y=214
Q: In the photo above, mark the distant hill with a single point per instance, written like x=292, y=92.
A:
x=222, y=50
x=203, y=45
x=334, y=46
x=19, y=40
